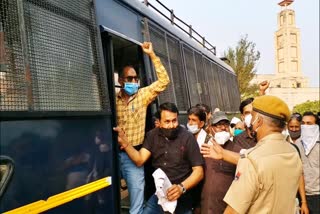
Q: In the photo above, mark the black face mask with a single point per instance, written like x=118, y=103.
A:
x=170, y=133
x=295, y=135
x=253, y=133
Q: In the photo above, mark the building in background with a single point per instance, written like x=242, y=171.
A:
x=288, y=81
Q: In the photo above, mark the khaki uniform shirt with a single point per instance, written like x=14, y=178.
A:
x=267, y=178
x=131, y=116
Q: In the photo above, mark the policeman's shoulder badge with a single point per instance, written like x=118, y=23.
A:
x=237, y=176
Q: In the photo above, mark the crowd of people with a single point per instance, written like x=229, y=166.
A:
x=266, y=161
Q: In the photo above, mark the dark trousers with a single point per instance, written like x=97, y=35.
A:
x=313, y=204
x=152, y=207
x=150, y=188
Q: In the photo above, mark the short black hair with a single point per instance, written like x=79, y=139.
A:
x=310, y=113
x=244, y=103
x=199, y=112
x=168, y=107
x=204, y=107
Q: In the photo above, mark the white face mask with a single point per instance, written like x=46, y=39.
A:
x=222, y=137
x=194, y=129
x=309, y=137
x=247, y=120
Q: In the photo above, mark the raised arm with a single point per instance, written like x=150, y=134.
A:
x=138, y=157
x=163, y=78
x=263, y=86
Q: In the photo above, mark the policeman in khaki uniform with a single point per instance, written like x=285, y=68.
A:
x=267, y=176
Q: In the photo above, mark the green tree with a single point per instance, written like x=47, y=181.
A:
x=243, y=59
x=313, y=106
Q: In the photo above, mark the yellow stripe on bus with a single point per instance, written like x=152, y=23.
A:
x=62, y=198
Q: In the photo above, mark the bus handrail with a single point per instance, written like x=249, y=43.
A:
x=205, y=43
x=62, y=198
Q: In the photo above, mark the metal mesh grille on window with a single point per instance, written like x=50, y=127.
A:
x=231, y=90
x=217, y=86
x=65, y=70
x=178, y=74
x=13, y=87
x=224, y=91
x=235, y=98
x=212, y=100
x=227, y=89
x=236, y=94
x=202, y=81
x=191, y=75
x=159, y=45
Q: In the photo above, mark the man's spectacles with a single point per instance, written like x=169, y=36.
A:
x=131, y=78
x=221, y=125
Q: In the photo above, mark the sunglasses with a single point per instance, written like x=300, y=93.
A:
x=131, y=78
x=221, y=125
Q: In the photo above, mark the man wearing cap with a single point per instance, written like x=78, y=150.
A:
x=267, y=176
x=244, y=139
x=218, y=173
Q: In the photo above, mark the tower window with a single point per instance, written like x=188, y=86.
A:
x=281, y=20
x=290, y=19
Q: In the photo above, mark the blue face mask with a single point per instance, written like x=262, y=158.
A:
x=131, y=88
x=237, y=132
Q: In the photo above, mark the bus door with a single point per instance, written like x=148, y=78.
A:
x=120, y=51
x=55, y=109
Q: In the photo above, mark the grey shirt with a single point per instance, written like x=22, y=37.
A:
x=311, y=168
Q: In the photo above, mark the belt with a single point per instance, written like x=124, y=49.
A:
x=137, y=147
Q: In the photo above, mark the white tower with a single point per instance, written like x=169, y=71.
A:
x=287, y=49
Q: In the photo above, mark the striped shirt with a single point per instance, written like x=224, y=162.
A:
x=131, y=116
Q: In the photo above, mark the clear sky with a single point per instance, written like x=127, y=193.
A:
x=224, y=22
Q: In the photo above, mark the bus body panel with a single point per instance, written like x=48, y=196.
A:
x=115, y=16
x=55, y=155
x=58, y=126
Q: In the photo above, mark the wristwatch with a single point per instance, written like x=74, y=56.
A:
x=182, y=188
